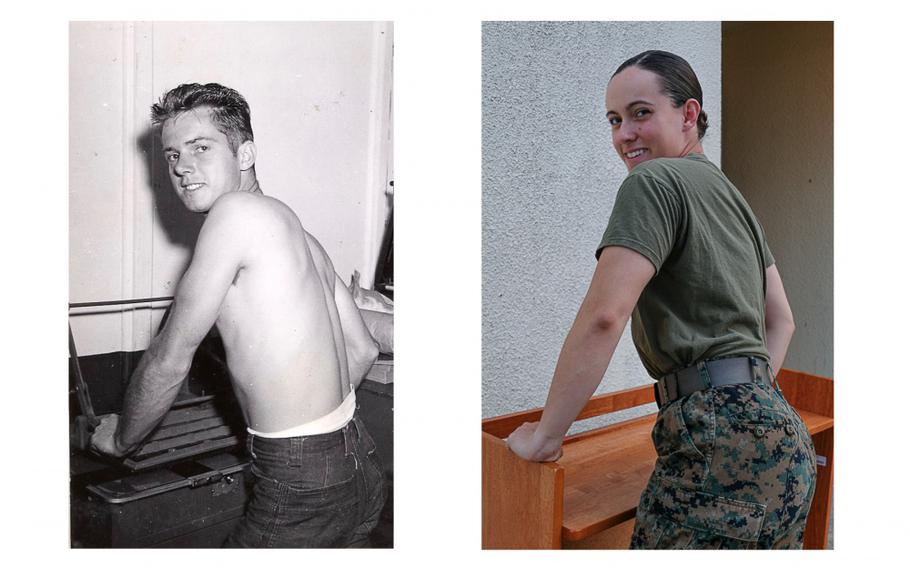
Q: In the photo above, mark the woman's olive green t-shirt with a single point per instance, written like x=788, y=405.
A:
x=707, y=299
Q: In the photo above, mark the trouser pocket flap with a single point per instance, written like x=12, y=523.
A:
x=717, y=515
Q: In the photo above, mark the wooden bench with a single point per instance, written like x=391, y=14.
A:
x=588, y=498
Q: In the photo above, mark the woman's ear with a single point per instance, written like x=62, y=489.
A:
x=246, y=155
x=691, y=110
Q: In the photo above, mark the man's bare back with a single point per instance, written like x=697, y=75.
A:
x=284, y=342
x=295, y=341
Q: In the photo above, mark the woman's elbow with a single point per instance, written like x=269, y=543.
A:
x=782, y=322
x=605, y=320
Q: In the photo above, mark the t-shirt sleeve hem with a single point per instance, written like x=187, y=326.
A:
x=638, y=247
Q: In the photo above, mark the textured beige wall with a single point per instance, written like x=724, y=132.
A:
x=778, y=150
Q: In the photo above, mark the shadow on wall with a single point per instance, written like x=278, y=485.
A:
x=180, y=225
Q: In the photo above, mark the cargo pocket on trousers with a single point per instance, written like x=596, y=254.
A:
x=683, y=437
x=693, y=519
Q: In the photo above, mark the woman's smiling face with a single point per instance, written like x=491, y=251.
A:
x=644, y=122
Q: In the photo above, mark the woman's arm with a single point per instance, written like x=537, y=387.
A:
x=779, y=325
x=618, y=281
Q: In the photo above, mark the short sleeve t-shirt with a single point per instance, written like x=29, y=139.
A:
x=707, y=298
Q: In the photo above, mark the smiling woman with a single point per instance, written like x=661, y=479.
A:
x=685, y=258
x=653, y=111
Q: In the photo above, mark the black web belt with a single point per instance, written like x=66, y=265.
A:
x=709, y=374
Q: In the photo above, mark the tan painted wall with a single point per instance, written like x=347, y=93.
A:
x=778, y=149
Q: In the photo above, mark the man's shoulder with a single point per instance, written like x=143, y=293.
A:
x=243, y=200
x=249, y=208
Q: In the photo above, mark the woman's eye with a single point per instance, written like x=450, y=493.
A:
x=641, y=112
x=201, y=148
x=171, y=157
x=614, y=120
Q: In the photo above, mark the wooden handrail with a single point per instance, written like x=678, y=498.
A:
x=502, y=426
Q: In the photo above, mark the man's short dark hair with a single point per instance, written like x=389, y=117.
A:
x=230, y=111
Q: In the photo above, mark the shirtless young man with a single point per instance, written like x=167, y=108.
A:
x=296, y=345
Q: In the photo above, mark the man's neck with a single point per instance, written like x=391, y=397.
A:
x=250, y=185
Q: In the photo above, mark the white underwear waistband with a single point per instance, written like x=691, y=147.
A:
x=334, y=420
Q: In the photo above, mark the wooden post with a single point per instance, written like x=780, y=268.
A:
x=522, y=501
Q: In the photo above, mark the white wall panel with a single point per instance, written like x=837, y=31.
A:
x=319, y=95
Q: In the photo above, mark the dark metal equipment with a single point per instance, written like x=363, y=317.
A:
x=187, y=485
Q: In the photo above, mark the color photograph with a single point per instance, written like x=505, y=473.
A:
x=657, y=285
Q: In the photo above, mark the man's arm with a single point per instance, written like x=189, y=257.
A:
x=197, y=302
x=618, y=281
x=779, y=324
x=359, y=346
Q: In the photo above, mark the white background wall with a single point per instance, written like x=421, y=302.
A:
x=320, y=100
x=550, y=176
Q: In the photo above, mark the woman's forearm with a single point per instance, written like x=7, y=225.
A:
x=619, y=278
x=779, y=322
x=582, y=362
x=778, y=341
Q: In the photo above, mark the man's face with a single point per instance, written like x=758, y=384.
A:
x=645, y=124
x=200, y=162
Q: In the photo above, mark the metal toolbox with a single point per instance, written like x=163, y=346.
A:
x=188, y=504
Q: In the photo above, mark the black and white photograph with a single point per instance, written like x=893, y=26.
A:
x=231, y=284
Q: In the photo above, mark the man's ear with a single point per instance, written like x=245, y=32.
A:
x=691, y=110
x=246, y=155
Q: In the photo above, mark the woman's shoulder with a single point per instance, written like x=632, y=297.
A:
x=658, y=166
x=672, y=172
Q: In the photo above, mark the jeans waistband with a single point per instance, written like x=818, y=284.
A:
x=315, y=443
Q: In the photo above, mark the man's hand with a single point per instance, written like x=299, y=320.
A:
x=526, y=446
x=103, y=440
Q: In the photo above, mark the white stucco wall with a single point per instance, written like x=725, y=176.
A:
x=550, y=176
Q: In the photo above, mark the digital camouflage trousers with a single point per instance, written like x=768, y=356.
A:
x=735, y=469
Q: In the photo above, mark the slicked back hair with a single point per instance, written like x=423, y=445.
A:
x=230, y=111
x=678, y=80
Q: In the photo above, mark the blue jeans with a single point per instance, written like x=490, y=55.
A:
x=323, y=491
